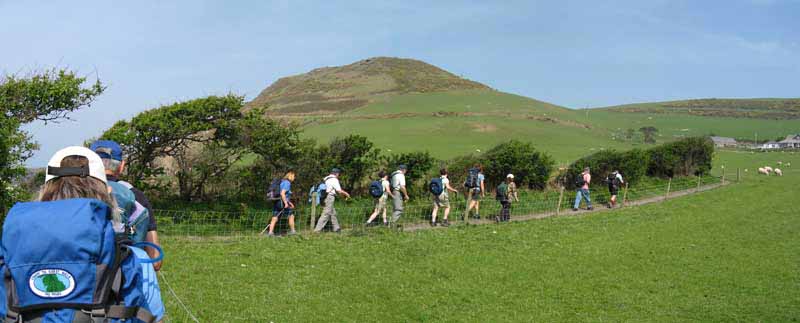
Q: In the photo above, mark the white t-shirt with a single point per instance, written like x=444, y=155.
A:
x=619, y=177
x=445, y=182
x=384, y=185
x=398, y=180
x=332, y=185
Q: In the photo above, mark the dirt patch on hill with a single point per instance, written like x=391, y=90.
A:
x=483, y=127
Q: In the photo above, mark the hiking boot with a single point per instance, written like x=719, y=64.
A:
x=575, y=209
x=445, y=223
x=433, y=223
x=292, y=233
x=270, y=235
x=589, y=208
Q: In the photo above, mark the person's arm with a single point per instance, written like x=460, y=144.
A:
x=403, y=189
x=286, y=200
x=451, y=189
x=483, y=190
x=340, y=191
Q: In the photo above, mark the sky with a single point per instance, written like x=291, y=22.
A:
x=573, y=53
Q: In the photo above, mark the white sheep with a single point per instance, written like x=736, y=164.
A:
x=778, y=172
x=788, y=164
x=762, y=170
x=769, y=169
x=780, y=162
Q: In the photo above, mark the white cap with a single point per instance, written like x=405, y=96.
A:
x=511, y=176
x=96, y=168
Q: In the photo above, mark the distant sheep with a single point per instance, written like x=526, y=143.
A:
x=778, y=172
x=788, y=164
x=769, y=169
x=762, y=170
x=780, y=162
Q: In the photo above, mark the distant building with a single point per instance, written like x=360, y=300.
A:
x=769, y=145
x=724, y=141
x=791, y=141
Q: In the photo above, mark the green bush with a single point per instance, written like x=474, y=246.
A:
x=690, y=156
x=530, y=167
x=631, y=164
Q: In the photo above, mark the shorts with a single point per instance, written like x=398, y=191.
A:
x=380, y=203
x=442, y=200
x=613, y=191
x=278, y=210
x=475, y=194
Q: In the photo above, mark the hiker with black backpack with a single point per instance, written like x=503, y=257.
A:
x=506, y=192
x=380, y=191
x=67, y=258
x=281, y=194
x=332, y=189
x=138, y=215
x=582, y=185
x=476, y=190
x=439, y=188
x=614, y=183
x=399, y=193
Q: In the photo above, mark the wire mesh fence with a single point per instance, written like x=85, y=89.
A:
x=417, y=213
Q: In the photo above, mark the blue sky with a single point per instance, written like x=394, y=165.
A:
x=572, y=53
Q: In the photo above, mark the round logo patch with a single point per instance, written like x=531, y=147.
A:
x=51, y=283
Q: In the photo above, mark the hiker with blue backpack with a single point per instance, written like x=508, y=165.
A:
x=380, y=191
x=67, y=257
x=476, y=190
x=440, y=187
x=332, y=189
x=139, y=217
x=280, y=192
x=399, y=192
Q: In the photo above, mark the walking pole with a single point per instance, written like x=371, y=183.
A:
x=669, y=185
x=270, y=219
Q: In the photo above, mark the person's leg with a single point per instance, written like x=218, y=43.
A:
x=398, y=206
x=373, y=215
x=578, y=198
x=588, y=200
x=335, y=220
x=291, y=224
x=272, y=224
x=478, y=205
x=435, y=210
x=326, y=214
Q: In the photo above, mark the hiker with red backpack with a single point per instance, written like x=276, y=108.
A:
x=281, y=194
x=380, y=191
x=68, y=258
x=440, y=187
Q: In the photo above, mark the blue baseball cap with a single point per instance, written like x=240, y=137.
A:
x=336, y=171
x=107, y=149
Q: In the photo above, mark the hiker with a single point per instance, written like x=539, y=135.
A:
x=441, y=198
x=70, y=246
x=512, y=189
x=384, y=188
x=582, y=184
x=476, y=190
x=283, y=206
x=142, y=219
x=399, y=193
x=332, y=189
x=614, y=183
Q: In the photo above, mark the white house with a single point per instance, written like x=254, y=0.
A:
x=769, y=145
x=791, y=141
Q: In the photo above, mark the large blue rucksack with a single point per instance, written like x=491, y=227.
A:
x=472, y=179
x=436, y=186
x=63, y=262
x=376, y=189
x=135, y=217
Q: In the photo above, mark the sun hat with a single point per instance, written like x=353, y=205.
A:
x=511, y=176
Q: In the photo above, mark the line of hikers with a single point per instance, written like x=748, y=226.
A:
x=87, y=250
x=394, y=186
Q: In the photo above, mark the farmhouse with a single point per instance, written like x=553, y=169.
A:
x=791, y=141
x=769, y=145
x=723, y=141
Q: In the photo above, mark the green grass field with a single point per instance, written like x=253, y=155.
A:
x=729, y=254
x=456, y=123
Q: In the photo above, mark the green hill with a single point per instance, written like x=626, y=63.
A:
x=406, y=105
x=778, y=109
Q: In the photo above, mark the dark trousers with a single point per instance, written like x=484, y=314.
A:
x=505, y=211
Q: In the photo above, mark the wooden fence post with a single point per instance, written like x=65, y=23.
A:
x=625, y=195
x=669, y=185
x=313, y=211
x=560, y=199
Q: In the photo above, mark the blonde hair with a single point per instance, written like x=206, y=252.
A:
x=70, y=187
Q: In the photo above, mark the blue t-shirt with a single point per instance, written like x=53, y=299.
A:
x=481, y=177
x=286, y=185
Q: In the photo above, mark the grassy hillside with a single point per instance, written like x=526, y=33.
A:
x=725, y=255
x=777, y=109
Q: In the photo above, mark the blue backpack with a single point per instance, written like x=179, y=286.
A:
x=436, y=186
x=135, y=217
x=321, y=190
x=376, y=189
x=62, y=262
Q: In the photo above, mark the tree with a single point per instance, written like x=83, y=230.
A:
x=355, y=155
x=419, y=165
x=649, y=133
x=529, y=166
x=169, y=132
x=48, y=96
